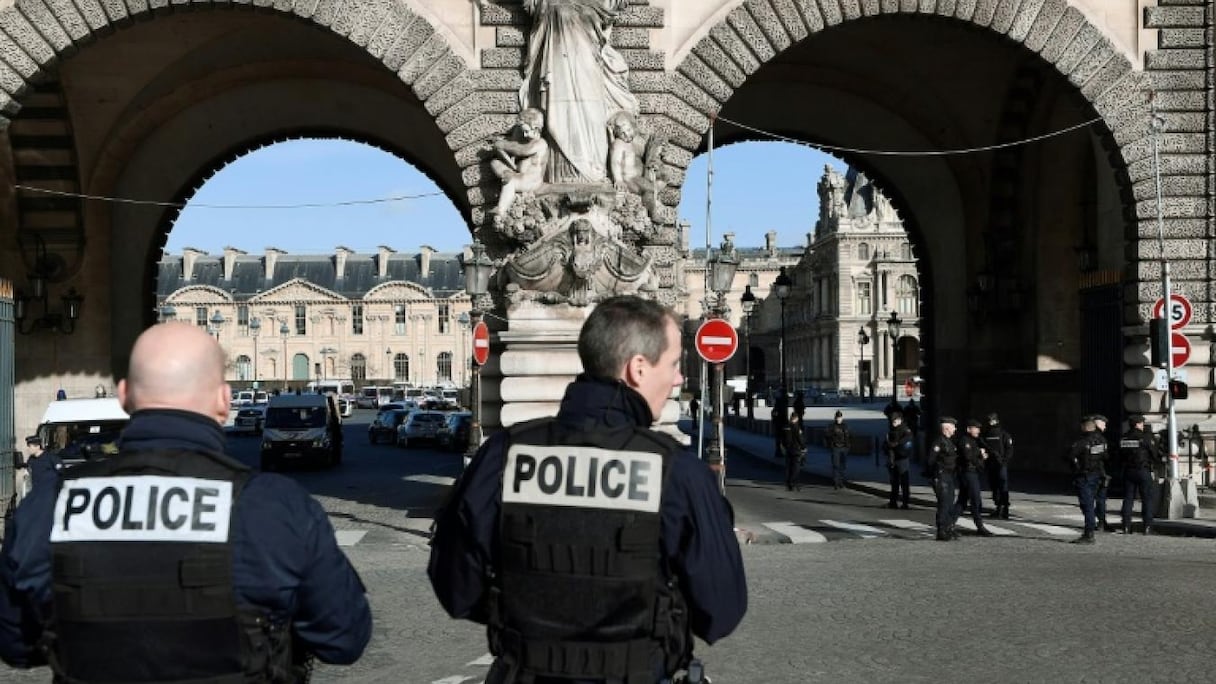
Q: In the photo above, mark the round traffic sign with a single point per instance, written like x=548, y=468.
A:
x=1180, y=310
x=481, y=343
x=1180, y=349
x=716, y=340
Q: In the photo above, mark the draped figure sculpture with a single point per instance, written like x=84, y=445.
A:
x=578, y=80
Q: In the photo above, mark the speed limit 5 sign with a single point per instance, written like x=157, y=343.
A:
x=1180, y=311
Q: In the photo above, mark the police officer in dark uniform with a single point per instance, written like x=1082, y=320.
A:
x=170, y=562
x=592, y=547
x=970, y=465
x=1086, y=458
x=999, y=445
x=1103, y=482
x=898, y=447
x=794, y=443
x=1140, y=453
x=940, y=464
x=836, y=438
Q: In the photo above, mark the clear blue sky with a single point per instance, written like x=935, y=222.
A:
x=758, y=187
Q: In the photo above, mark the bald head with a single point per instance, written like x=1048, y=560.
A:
x=176, y=366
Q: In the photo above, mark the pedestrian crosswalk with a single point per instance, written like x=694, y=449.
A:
x=828, y=530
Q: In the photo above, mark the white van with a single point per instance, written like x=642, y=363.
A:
x=82, y=429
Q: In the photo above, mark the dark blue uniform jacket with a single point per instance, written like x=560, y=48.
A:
x=285, y=557
x=697, y=526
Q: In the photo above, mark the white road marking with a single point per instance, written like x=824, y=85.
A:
x=1054, y=530
x=797, y=534
x=908, y=525
x=999, y=531
x=349, y=537
x=455, y=679
x=431, y=479
x=1074, y=517
x=486, y=660
x=863, y=531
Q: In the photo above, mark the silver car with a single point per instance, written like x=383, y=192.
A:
x=420, y=426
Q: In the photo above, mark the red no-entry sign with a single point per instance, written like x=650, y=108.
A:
x=1180, y=349
x=716, y=340
x=481, y=343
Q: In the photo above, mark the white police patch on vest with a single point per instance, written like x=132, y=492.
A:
x=142, y=508
x=583, y=477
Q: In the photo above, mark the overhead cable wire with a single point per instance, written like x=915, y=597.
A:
x=204, y=205
x=912, y=153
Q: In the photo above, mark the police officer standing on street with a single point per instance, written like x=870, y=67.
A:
x=940, y=464
x=1103, y=481
x=999, y=445
x=898, y=446
x=209, y=571
x=970, y=465
x=836, y=438
x=1087, y=458
x=1140, y=453
x=592, y=547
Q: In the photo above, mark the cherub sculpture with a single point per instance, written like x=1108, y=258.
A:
x=520, y=163
x=633, y=160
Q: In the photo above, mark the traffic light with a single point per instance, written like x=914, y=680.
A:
x=1159, y=341
x=1178, y=389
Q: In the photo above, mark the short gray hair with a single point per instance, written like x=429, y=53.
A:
x=620, y=328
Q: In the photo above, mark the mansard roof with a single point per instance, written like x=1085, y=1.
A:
x=445, y=278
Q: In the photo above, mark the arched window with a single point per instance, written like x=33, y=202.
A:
x=443, y=367
x=299, y=367
x=244, y=368
x=358, y=368
x=906, y=299
x=863, y=251
x=401, y=368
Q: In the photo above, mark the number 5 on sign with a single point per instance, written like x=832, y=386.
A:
x=1179, y=313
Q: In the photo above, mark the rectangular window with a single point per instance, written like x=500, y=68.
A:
x=301, y=319
x=242, y=320
x=865, y=305
x=445, y=319
x=399, y=315
x=200, y=316
x=356, y=319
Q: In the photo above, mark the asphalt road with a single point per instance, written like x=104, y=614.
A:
x=857, y=606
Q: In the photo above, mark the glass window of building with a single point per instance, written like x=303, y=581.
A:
x=244, y=368
x=200, y=316
x=242, y=320
x=863, y=251
x=443, y=367
x=906, y=299
x=445, y=318
x=299, y=367
x=358, y=368
x=865, y=302
x=399, y=316
x=401, y=368
x=301, y=320
x=356, y=319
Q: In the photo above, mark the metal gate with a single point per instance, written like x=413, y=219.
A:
x=8, y=440
x=1102, y=351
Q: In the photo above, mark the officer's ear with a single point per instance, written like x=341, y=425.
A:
x=635, y=370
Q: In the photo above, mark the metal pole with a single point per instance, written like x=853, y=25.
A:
x=475, y=389
x=781, y=348
x=894, y=390
x=861, y=365
x=747, y=371
x=1156, y=125
x=716, y=456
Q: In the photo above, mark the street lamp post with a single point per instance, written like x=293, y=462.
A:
x=389, y=371
x=167, y=313
x=862, y=340
x=255, y=329
x=748, y=302
x=893, y=330
x=781, y=287
x=476, y=284
x=284, y=331
x=217, y=322
x=465, y=351
x=721, y=274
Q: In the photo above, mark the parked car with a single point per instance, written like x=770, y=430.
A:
x=384, y=427
x=250, y=419
x=420, y=426
x=454, y=433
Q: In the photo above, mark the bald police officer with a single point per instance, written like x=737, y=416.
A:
x=1086, y=458
x=171, y=555
x=592, y=547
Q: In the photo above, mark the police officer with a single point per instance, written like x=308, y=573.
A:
x=898, y=447
x=999, y=446
x=940, y=467
x=1086, y=458
x=592, y=547
x=970, y=465
x=1140, y=453
x=794, y=443
x=213, y=570
x=836, y=438
x=1103, y=481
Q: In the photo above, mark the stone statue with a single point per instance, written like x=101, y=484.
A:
x=520, y=163
x=635, y=160
x=578, y=80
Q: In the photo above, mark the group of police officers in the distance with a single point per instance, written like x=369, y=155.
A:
x=593, y=548
x=955, y=461
x=1088, y=458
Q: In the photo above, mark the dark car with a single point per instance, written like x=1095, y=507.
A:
x=454, y=434
x=301, y=428
x=384, y=427
x=250, y=419
x=421, y=426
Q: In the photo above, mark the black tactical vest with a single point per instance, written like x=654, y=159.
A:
x=995, y=441
x=582, y=590
x=1094, y=457
x=943, y=456
x=1136, y=449
x=142, y=569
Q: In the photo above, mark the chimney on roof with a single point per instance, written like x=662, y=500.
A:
x=685, y=230
x=382, y=260
x=230, y=255
x=272, y=257
x=340, y=254
x=424, y=261
x=770, y=242
x=189, y=256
